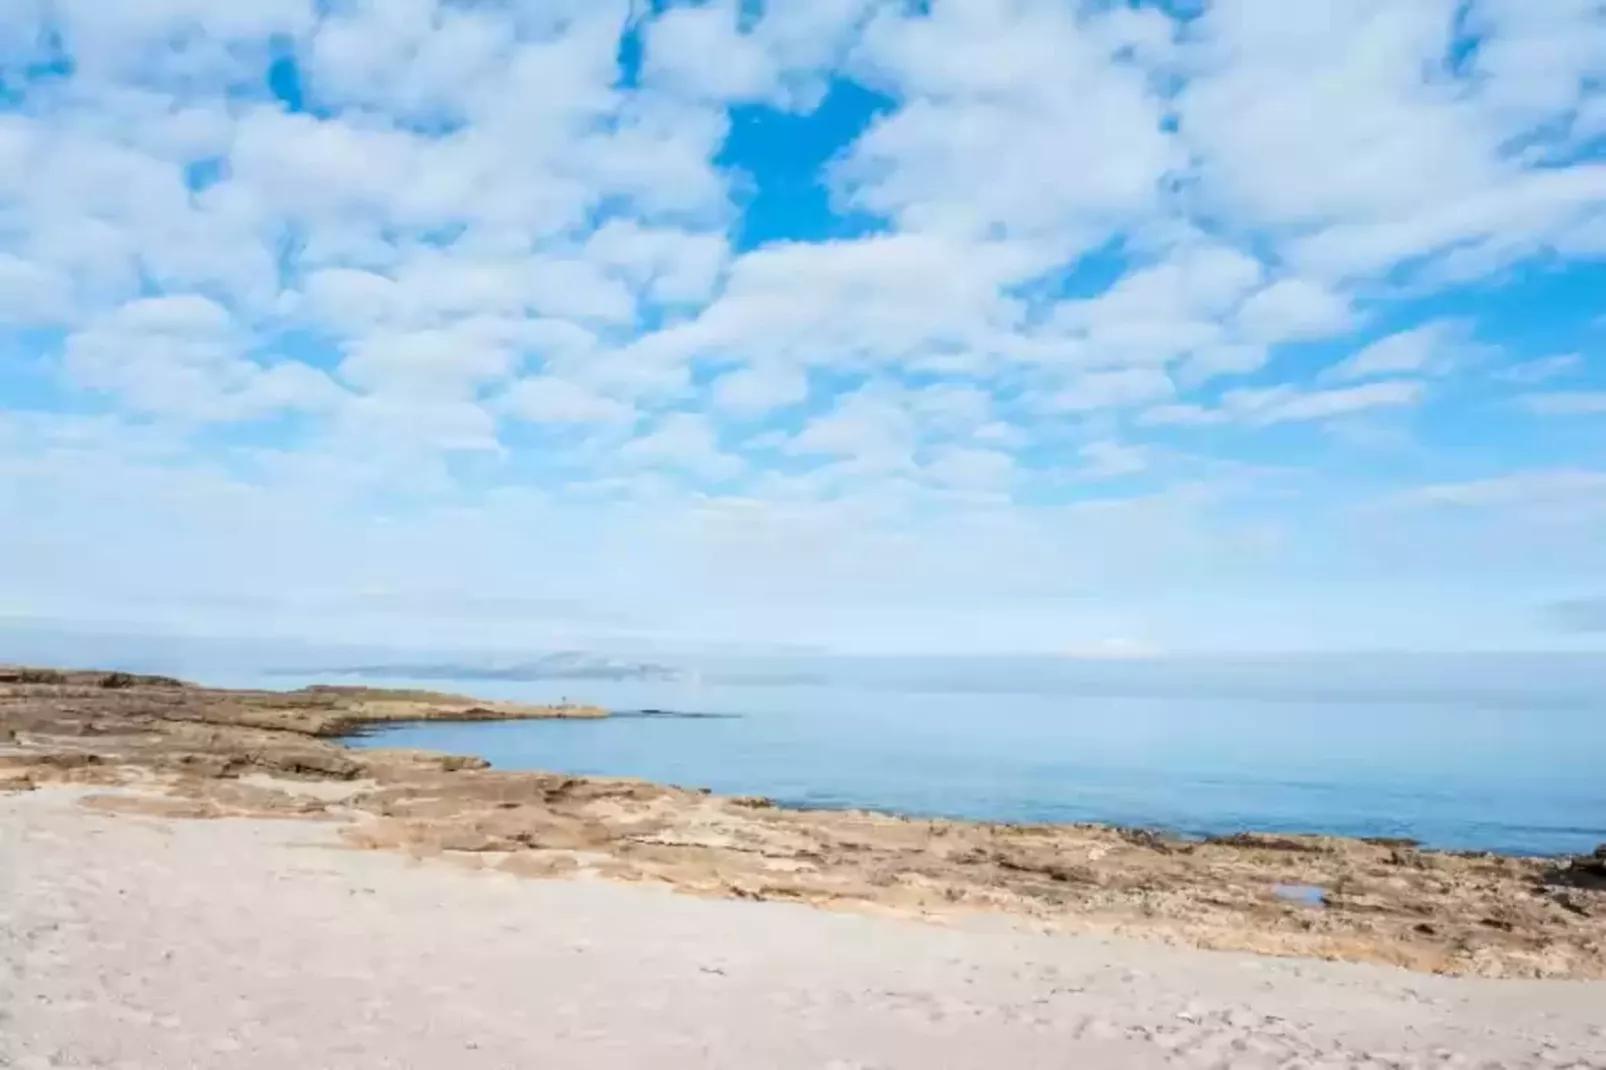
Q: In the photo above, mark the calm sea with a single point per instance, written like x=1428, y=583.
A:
x=1507, y=756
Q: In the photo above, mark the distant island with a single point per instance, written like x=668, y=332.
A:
x=559, y=666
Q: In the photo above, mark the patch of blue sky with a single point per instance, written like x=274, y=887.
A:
x=784, y=158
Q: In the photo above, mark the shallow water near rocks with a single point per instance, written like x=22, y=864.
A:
x=1305, y=894
x=1507, y=776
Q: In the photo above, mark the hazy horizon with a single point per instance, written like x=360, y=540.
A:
x=1468, y=675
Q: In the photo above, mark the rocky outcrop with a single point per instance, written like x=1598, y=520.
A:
x=1581, y=871
x=221, y=753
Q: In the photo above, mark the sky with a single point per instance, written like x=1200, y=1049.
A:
x=1093, y=329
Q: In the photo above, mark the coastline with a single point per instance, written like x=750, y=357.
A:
x=195, y=752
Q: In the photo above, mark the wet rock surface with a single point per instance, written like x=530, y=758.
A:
x=203, y=753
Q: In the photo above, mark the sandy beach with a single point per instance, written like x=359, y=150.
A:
x=129, y=941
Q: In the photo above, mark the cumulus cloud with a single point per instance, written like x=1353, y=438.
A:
x=1107, y=460
x=682, y=441
x=557, y=401
x=754, y=391
x=1354, y=131
x=1293, y=310
x=971, y=469
x=682, y=46
x=1102, y=390
x=185, y=356
x=993, y=118
x=874, y=431
x=1431, y=349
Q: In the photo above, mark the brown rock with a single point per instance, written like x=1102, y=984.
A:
x=538, y=864
x=1262, y=842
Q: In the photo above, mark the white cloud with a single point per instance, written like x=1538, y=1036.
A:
x=1541, y=370
x=405, y=426
x=877, y=432
x=1180, y=415
x=1224, y=359
x=874, y=301
x=185, y=356
x=1171, y=309
x=1284, y=404
x=673, y=266
x=131, y=40
x=557, y=401
x=1109, y=459
x=428, y=287
x=1567, y=403
x=1346, y=128
x=1483, y=229
x=701, y=52
x=1323, y=112
x=1565, y=488
x=350, y=300
x=1195, y=282
x=1431, y=349
x=1537, y=61
x=965, y=468
x=993, y=132
x=1266, y=406
x=411, y=57
x=32, y=294
x=954, y=409
x=684, y=442
x=1293, y=310
x=760, y=389
x=450, y=362
x=1112, y=389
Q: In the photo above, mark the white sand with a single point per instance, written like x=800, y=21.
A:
x=128, y=942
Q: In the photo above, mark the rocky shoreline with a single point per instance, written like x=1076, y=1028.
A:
x=182, y=751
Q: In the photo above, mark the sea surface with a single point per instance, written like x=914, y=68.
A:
x=1472, y=756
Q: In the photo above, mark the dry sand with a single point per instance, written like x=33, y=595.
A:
x=128, y=941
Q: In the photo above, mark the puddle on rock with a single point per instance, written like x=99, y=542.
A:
x=1309, y=895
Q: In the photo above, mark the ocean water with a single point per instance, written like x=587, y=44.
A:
x=1454, y=758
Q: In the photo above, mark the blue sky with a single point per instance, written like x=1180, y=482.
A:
x=859, y=325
